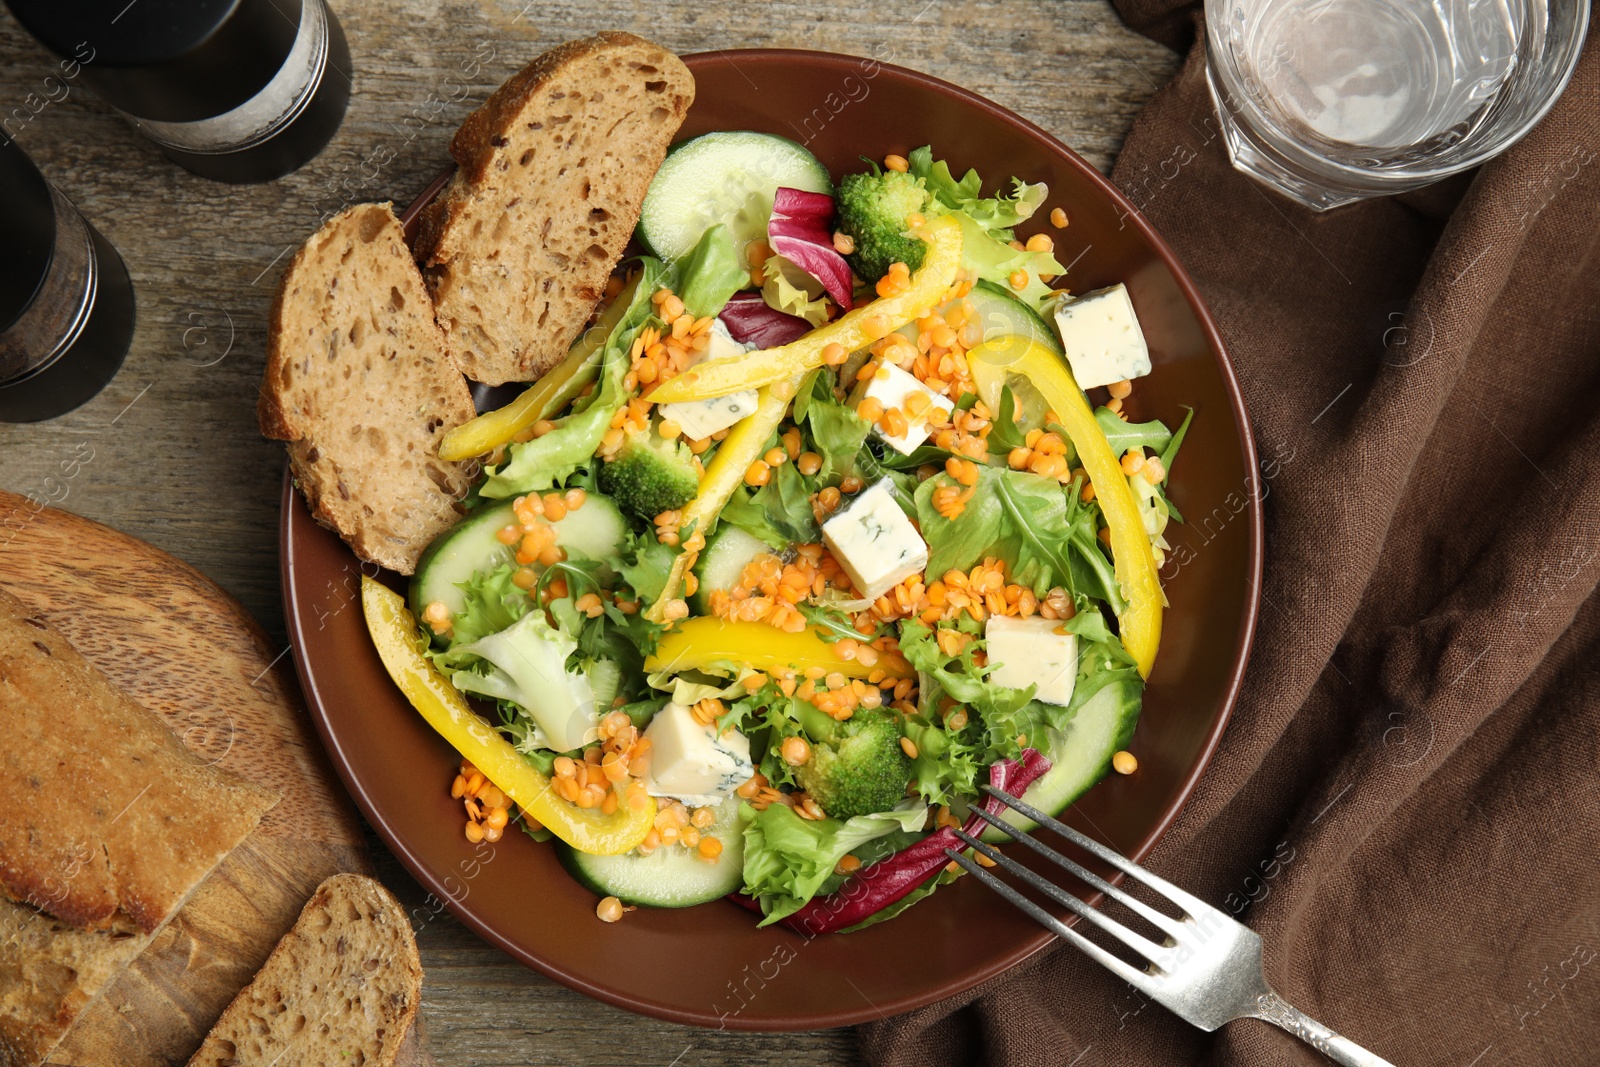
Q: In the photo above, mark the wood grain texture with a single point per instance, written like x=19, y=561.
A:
x=170, y=638
x=169, y=452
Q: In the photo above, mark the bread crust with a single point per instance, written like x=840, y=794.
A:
x=448, y=241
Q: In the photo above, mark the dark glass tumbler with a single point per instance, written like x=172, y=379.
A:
x=66, y=304
x=233, y=90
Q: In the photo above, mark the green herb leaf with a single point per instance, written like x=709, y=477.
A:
x=1126, y=435
x=1170, y=452
x=787, y=858
x=1005, y=434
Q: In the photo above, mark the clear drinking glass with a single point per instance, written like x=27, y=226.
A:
x=1331, y=101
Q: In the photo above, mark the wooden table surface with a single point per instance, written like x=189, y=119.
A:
x=169, y=451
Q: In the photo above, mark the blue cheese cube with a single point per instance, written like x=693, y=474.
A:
x=1102, y=337
x=700, y=419
x=1032, y=652
x=691, y=762
x=890, y=386
x=874, y=541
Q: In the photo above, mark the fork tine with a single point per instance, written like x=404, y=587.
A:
x=1140, y=944
x=1140, y=980
x=1173, y=928
x=1192, y=905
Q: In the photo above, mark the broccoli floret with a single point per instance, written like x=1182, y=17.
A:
x=859, y=768
x=650, y=475
x=873, y=209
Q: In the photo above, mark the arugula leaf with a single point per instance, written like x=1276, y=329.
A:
x=1170, y=453
x=1092, y=573
x=710, y=273
x=1015, y=516
x=996, y=214
x=817, y=382
x=545, y=461
x=1126, y=435
x=837, y=433
x=1005, y=434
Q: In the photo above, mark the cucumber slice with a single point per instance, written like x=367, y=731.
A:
x=725, y=177
x=596, y=530
x=1081, y=755
x=723, y=561
x=671, y=876
x=1000, y=314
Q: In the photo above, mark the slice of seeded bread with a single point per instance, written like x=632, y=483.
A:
x=552, y=171
x=341, y=988
x=359, y=385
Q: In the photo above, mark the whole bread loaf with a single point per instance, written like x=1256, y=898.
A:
x=358, y=383
x=552, y=171
x=108, y=823
x=342, y=987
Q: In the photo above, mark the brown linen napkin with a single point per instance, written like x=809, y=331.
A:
x=1406, y=804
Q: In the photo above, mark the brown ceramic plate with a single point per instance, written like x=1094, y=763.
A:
x=711, y=965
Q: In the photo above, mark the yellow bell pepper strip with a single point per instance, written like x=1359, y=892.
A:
x=544, y=397
x=1130, y=545
x=394, y=632
x=853, y=330
x=704, y=642
x=742, y=447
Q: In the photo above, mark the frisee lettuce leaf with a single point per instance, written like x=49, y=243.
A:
x=986, y=257
x=790, y=289
x=787, y=858
x=996, y=214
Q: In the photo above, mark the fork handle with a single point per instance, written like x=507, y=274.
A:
x=1274, y=1009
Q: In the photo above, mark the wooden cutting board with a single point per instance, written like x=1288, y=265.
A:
x=174, y=641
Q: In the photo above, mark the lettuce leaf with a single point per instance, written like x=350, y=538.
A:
x=1015, y=516
x=787, y=859
x=837, y=433
x=710, y=274
x=779, y=512
x=986, y=257
x=545, y=461
x=998, y=214
x=789, y=288
x=645, y=564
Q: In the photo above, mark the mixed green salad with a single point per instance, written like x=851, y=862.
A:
x=814, y=533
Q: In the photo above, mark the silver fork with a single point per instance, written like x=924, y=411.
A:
x=1208, y=972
